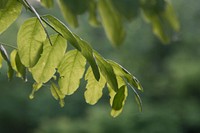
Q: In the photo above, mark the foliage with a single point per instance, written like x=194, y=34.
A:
x=46, y=57
x=169, y=73
x=113, y=14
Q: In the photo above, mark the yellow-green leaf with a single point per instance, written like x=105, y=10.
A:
x=76, y=41
x=107, y=71
x=16, y=64
x=62, y=29
x=1, y=60
x=132, y=81
x=68, y=14
x=120, y=71
x=47, y=3
x=71, y=70
x=87, y=52
x=57, y=94
x=119, y=98
x=111, y=21
x=113, y=94
x=36, y=87
x=94, y=88
x=50, y=59
x=10, y=12
x=30, y=37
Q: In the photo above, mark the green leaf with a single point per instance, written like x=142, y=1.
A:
x=10, y=12
x=137, y=98
x=107, y=71
x=111, y=21
x=132, y=81
x=30, y=37
x=94, y=88
x=120, y=71
x=7, y=59
x=68, y=14
x=157, y=26
x=71, y=70
x=60, y=28
x=113, y=94
x=50, y=59
x=93, y=14
x=158, y=29
x=36, y=87
x=161, y=15
x=170, y=16
x=47, y=3
x=1, y=60
x=76, y=41
x=17, y=65
x=87, y=52
x=57, y=94
x=119, y=98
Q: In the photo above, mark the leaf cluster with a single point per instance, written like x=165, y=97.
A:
x=112, y=14
x=49, y=61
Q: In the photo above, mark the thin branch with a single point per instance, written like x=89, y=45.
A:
x=8, y=45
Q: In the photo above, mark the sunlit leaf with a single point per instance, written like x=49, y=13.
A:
x=16, y=64
x=47, y=3
x=30, y=37
x=88, y=53
x=130, y=79
x=76, y=41
x=71, y=70
x=57, y=94
x=111, y=21
x=5, y=56
x=112, y=95
x=107, y=71
x=68, y=14
x=62, y=29
x=1, y=60
x=50, y=59
x=36, y=87
x=94, y=88
x=120, y=71
x=119, y=98
x=10, y=12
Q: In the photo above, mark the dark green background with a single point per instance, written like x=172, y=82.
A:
x=170, y=75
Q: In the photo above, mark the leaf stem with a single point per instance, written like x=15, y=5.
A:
x=8, y=45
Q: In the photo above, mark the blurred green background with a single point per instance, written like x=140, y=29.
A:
x=170, y=75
